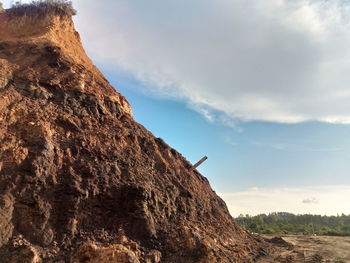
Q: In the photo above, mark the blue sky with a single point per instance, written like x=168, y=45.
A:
x=259, y=154
x=257, y=167
x=260, y=87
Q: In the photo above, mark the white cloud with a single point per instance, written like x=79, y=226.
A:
x=278, y=60
x=325, y=200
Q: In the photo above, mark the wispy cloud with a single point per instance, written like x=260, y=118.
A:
x=229, y=141
x=278, y=60
x=214, y=116
x=324, y=200
x=311, y=200
x=294, y=147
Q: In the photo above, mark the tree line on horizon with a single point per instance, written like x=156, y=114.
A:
x=280, y=223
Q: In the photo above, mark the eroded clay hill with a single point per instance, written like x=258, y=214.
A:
x=80, y=180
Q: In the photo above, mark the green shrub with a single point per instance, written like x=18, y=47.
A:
x=43, y=8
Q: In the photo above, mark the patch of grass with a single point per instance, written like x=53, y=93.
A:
x=42, y=8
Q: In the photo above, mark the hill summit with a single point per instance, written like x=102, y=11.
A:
x=80, y=180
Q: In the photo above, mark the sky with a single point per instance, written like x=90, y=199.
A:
x=260, y=87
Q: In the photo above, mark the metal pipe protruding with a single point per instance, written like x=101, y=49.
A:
x=200, y=162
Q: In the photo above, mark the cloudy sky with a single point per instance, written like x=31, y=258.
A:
x=260, y=87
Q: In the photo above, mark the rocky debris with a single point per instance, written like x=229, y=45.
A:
x=316, y=258
x=114, y=253
x=20, y=250
x=126, y=252
x=80, y=180
x=6, y=211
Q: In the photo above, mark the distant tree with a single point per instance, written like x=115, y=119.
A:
x=286, y=223
x=1, y=7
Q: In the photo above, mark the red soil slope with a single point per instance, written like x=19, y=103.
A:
x=80, y=180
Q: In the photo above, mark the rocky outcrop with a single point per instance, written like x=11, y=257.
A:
x=80, y=180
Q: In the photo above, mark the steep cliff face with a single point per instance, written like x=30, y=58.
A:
x=80, y=180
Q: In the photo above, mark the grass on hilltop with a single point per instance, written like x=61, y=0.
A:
x=42, y=8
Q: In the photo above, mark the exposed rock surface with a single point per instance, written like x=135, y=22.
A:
x=80, y=180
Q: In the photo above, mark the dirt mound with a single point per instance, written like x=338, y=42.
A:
x=280, y=242
x=80, y=180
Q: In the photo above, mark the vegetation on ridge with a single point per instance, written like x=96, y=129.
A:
x=287, y=223
x=42, y=8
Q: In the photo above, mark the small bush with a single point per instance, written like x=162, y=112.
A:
x=43, y=8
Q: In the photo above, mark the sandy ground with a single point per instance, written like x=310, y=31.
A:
x=312, y=249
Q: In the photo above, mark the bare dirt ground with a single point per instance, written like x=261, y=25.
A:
x=312, y=249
